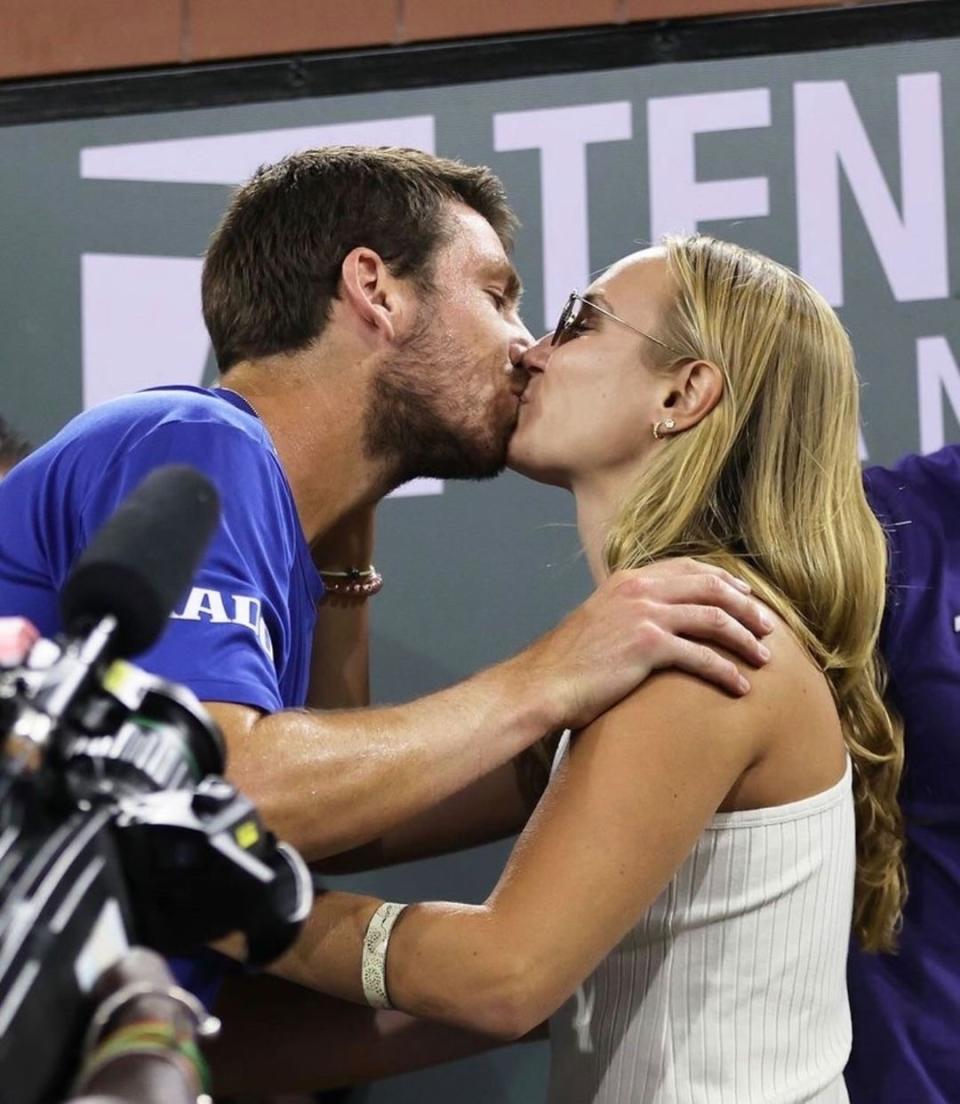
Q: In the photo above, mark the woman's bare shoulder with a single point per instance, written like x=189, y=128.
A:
x=784, y=733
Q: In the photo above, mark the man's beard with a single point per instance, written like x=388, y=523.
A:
x=419, y=430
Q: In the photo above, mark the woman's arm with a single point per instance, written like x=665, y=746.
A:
x=624, y=810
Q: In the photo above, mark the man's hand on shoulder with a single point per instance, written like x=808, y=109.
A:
x=670, y=614
x=331, y=781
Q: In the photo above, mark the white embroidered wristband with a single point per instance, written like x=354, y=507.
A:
x=373, y=966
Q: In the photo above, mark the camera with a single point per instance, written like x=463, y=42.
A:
x=116, y=825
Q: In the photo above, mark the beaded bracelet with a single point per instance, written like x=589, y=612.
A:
x=356, y=582
x=151, y=1037
x=205, y=1025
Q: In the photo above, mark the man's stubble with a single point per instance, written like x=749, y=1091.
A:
x=423, y=418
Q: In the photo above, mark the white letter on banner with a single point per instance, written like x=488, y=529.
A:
x=912, y=246
x=562, y=135
x=937, y=372
x=678, y=201
x=142, y=324
x=233, y=158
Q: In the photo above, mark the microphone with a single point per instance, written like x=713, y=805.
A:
x=142, y=560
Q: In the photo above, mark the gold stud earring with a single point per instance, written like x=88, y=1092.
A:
x=662, y=429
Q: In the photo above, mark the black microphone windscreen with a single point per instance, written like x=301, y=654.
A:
x=140, y=563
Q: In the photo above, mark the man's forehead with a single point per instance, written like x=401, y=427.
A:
x=473, y=243
x=468, y=224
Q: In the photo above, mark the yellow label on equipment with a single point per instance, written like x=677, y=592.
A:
x=128, y=684
x=116, y=677
x=246, y=834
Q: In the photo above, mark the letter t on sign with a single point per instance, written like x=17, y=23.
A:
x=562, y=135
x=678, y=201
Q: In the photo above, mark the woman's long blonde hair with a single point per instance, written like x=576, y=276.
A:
x=769, y=485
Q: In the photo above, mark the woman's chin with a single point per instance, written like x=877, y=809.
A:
x=538, y=469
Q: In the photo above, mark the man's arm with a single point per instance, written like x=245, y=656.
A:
x=340, y=665
x=329, y=782
x=492, y=808
x=283, y=1038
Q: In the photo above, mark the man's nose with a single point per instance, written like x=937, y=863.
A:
x=519, y=376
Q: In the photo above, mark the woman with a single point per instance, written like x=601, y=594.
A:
x=681, y=899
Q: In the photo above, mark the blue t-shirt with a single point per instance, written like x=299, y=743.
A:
x=244, y=632
x=906, y=1007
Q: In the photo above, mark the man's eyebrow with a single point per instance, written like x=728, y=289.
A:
x=512, y=284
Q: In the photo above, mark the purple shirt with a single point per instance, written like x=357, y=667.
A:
x=906, y=1007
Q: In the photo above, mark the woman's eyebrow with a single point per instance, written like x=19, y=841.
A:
x=598, y=299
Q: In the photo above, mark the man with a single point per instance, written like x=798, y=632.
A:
x=363, y=311
x=906, y=1007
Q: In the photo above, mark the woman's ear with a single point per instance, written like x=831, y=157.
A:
x=371, y=291
x=697, y=388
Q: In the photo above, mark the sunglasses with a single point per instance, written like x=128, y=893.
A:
x=571, y=320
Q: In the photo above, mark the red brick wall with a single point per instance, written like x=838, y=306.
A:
x=66, y=36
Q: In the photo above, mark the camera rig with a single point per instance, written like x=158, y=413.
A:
x=116, y=825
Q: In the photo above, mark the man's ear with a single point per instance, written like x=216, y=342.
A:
x=696, y=388
x=371, y=291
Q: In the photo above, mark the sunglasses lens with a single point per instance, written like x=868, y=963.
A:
x=566, y=317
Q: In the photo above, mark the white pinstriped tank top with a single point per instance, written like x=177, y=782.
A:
x=732, y=988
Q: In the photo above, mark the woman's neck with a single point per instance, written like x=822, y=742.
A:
x=598, y=501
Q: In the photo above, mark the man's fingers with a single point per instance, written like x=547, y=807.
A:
x=712, y=624
x=687, y=566
x=709, y=589
x=681, y=615
x=705, y=663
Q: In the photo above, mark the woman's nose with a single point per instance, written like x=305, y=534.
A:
x=535, y=358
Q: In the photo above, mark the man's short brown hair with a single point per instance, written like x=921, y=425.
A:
x=273, y=265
